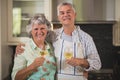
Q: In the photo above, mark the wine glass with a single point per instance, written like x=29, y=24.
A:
x=68, y=53
x=43, y=53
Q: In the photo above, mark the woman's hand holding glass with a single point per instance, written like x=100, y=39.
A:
x=37, y=62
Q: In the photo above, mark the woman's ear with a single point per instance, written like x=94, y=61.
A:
x=48, y=32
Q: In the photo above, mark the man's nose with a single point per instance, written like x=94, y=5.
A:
x=40, y=30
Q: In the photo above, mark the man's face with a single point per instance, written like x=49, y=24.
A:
x=66, y=15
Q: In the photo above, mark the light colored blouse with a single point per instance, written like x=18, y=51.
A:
x=30, y=54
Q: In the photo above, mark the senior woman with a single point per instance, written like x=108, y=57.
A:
x=38, y=61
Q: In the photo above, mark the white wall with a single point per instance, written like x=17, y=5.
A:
x=0, y=39
x=6, y=52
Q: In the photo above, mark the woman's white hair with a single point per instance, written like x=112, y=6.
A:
x=39, y=19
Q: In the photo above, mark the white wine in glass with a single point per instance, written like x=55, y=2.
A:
x=68, y=53
x=43, y=53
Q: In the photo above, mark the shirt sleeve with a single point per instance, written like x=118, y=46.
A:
x=19, y=63
x=92, y=55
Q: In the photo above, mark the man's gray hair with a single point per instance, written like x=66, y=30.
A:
x=64, y=4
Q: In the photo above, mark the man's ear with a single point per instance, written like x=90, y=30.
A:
x=75, y=14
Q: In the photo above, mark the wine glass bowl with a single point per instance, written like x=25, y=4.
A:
x=43, y=53
x=68, y=53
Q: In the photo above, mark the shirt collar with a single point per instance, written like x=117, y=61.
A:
x=74, y=32
x=34, y=46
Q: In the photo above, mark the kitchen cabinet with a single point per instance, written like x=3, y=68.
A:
x=116, y=33
x=116, y=27
x=20, y=11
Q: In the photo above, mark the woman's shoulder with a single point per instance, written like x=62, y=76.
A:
x=25, y=40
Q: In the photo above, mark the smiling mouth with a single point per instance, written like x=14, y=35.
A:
x=66, y=19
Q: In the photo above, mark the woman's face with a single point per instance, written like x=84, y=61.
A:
x=39, y=32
